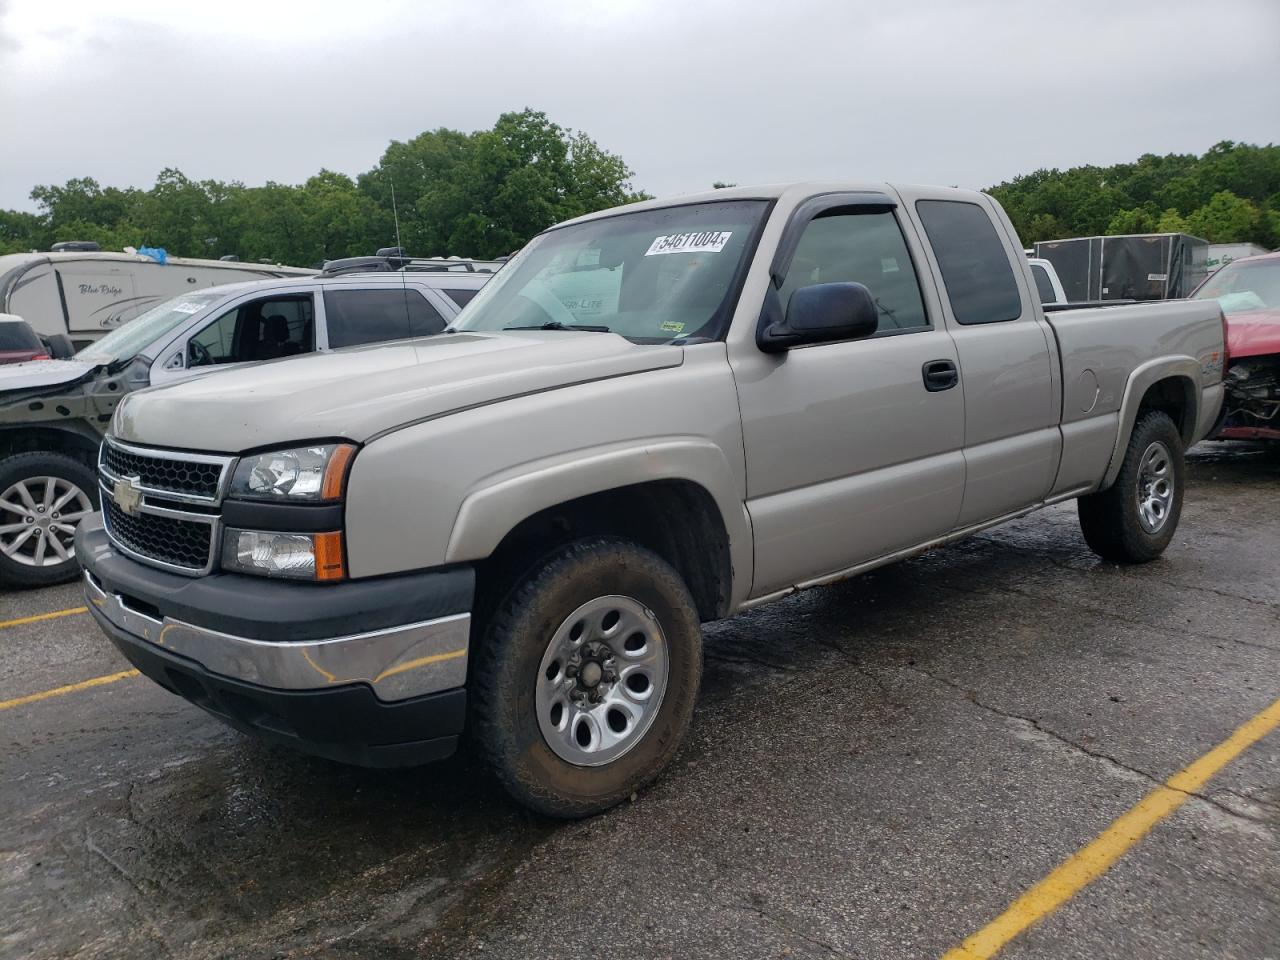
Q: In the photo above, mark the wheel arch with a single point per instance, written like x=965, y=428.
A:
x=677, y=497
x=73, y=438
x=1166, y=384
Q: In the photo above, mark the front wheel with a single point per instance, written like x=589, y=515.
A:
x=1134, y=519
x=586, y=677
x=43, y=498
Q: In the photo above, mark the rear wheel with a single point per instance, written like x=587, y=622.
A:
x=584, y=684
x=1134, y=520
x=43, y=498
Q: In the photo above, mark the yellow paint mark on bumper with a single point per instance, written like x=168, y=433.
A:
x=1092, y=861
x=70, y=688
x=420, y=662
x=42, y=616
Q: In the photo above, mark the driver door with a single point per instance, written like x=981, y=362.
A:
x=853, y=450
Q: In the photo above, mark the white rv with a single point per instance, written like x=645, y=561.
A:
x=85, y=294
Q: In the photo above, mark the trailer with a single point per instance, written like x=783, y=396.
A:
x=1146, y=266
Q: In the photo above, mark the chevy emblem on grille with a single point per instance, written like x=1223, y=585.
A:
x=127, y=494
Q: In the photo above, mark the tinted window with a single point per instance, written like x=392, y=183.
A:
x=372, y=316
x=18, y=336
x=461, y=297
x=259, y=330
x=1044, y=286
x=866, y=248
x=975, y=267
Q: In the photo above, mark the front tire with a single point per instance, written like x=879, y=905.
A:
x=586, y=677
x=1134, y=519
x=43, y=498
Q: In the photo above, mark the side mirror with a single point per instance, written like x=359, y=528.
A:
x=822, y=313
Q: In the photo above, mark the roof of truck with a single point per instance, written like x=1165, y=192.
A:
x=766, y=191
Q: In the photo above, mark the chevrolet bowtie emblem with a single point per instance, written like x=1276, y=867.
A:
x=127, y=494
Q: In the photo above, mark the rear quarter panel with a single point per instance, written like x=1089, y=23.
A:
x=1110, y=357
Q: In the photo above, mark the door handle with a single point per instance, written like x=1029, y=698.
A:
x=940, y=375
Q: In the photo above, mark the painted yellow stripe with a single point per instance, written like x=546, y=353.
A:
x=70, y=688
x=1092, y=861
x=42, y=616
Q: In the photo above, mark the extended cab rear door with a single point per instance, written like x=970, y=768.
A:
x=1009, y=368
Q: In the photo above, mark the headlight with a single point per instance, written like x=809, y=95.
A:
x=302, y=556
x=312, y=473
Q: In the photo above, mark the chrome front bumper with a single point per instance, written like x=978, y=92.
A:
x=397, y=663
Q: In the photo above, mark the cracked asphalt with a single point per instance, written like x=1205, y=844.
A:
x=876, y=770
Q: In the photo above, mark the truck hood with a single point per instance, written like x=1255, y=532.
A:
x=41, y=373
x=1253, y=334
x=361, y=392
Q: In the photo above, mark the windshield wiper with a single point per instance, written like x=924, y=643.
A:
x=557, y=325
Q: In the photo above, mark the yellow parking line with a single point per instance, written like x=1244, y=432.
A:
x=42, y=616
x=1090, y=862
x=70, y=688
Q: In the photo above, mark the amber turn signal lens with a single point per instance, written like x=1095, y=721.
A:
x=330, y=564
x=335, y=472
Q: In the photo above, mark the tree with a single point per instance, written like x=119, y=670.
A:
x=1225, y=219
x=1128, y=197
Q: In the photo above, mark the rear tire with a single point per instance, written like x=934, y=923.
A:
x=1134, y=519
x=43, y=498
x=602, y=619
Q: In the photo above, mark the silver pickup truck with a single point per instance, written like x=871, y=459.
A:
x=654, y=416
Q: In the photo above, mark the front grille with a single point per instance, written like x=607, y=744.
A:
x=170, y=472
x=181, y=543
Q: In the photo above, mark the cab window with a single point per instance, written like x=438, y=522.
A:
x=867, y=248
x=266, y=329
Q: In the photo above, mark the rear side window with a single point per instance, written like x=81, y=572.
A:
x=975, y=267
x=461, y=297
x=372, y=316
x=1044, y=286
x=865, y=248
x=18, y=336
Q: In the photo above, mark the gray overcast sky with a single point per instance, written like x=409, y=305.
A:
x=966, y=93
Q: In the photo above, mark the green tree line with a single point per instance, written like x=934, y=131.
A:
x=1230, y=194
x=483, y=194
x=479, y=194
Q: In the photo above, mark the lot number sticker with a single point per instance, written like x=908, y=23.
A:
x=708, y=241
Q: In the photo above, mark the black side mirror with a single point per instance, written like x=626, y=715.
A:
x=822, y=313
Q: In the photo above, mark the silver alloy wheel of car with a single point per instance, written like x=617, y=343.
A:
x=601, y=681
x=38, y=520
x=1155, y=487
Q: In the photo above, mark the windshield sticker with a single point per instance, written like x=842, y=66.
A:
x=888, y=265
x=708, y=241
x=183, y=306
x=671, y=326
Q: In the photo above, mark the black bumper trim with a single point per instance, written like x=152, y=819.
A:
x=263, y=609
x=348, y=724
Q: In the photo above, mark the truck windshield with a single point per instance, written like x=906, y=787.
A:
x=1244, y=285
x=652, y=276
x=129, y=339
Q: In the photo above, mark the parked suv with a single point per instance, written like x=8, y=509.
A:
x=653, y=416
x=53, y=412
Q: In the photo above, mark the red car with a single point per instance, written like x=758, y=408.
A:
x=1248, y=291
x=18, y=342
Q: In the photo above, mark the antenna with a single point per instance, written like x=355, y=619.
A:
x=395, y=214
x=404, y=283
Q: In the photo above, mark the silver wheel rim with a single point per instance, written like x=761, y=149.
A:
x=1155, y=487
x=38, y=520
x=601, y=681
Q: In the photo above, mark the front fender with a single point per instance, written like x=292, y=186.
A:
x=495, y=506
